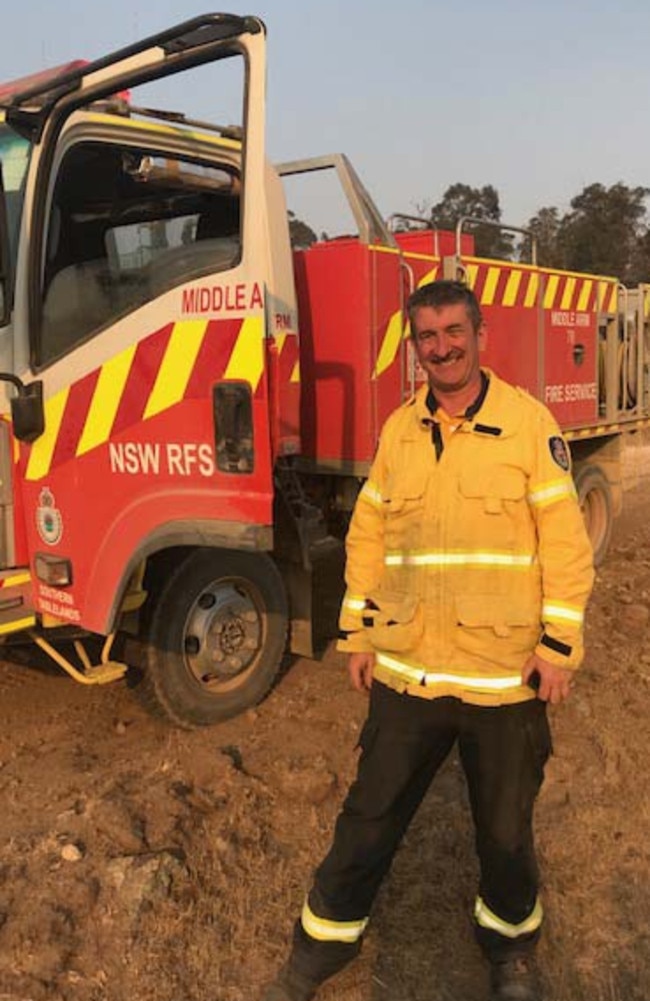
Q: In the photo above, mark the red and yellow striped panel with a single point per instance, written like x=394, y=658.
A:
x=397, y=330
x=497, y=284
x=507, y=285
x=180, y=361
x=287, y=348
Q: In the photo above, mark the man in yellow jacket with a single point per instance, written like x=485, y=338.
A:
x=468, y=572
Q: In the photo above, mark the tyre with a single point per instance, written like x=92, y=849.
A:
x=595, y=496
x=216, y=637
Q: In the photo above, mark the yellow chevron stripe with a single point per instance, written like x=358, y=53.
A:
x=430, y=276
x=512, y=288
x=42, y=451
x=177, y=366
x=471, y=271
x=17, y=625
x=490, y=287
x=532, y=290
x=585, y=295
x=280, y=341
x=567, y=295
x=390, y=344
x=613, y=300
x=603, y=292
x=247, y=359
x=551, y=289
x=106, y=399
x=16, y=579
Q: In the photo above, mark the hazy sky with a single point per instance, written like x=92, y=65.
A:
x=538, y=99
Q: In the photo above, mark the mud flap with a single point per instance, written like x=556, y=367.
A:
x=299, y=583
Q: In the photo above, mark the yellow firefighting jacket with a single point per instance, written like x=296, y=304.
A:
x=459, y=567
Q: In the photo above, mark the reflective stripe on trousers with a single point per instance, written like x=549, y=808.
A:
x=331, y=931
x=489, y=920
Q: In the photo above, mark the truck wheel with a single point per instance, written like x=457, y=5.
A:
x=595, y=496
x=216, y=639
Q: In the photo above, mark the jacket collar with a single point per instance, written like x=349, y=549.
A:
x=491, y=415
x=474, y=407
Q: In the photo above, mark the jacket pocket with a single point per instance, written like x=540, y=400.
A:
x=492, y=487
x=500, y=613
x=394, y=621
x=488, y=624
x=404, y=502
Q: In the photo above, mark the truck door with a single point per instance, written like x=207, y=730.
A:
x=15, y=582
x=144, y=280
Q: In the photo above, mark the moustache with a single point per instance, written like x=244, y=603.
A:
x=451, y=356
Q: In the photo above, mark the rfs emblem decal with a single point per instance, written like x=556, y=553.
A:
x=559, y=452
x=48, y=518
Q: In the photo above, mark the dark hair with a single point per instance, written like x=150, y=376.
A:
x=444, y=292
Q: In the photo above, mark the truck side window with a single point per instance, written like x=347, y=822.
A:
x=14, y=158
x=125, y=226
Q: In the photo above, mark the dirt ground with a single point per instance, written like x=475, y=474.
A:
x=141, y=862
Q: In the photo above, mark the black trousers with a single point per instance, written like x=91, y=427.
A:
x=403, y=743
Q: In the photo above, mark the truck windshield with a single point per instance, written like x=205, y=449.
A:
x=14, y=157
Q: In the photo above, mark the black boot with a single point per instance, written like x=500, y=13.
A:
x=289, y=985
x=515, y=979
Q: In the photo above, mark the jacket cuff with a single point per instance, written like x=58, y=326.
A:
x=558, y=652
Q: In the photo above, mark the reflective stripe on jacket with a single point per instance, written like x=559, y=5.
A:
x=458, y=569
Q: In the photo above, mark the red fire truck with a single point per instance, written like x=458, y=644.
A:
x=189, y=402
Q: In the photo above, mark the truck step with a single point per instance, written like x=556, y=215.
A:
x=86, y=673
x=103, y=674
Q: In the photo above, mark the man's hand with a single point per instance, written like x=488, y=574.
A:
x=360, y=667
x=554, y=682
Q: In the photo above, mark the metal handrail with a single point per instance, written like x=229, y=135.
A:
x=477, y=220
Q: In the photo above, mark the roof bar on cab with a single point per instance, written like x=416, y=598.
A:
x=202, y=30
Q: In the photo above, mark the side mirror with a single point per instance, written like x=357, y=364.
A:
x=27, y=411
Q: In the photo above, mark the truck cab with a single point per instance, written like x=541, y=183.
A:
x=148, y=319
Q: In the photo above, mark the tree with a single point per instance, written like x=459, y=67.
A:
x=300, y=233
x=546, y=228
x=482, y=203
x=604, y=232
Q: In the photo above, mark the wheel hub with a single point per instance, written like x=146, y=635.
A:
x=223, y=632
x=232, y=636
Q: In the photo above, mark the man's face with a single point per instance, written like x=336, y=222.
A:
x=447, y=347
